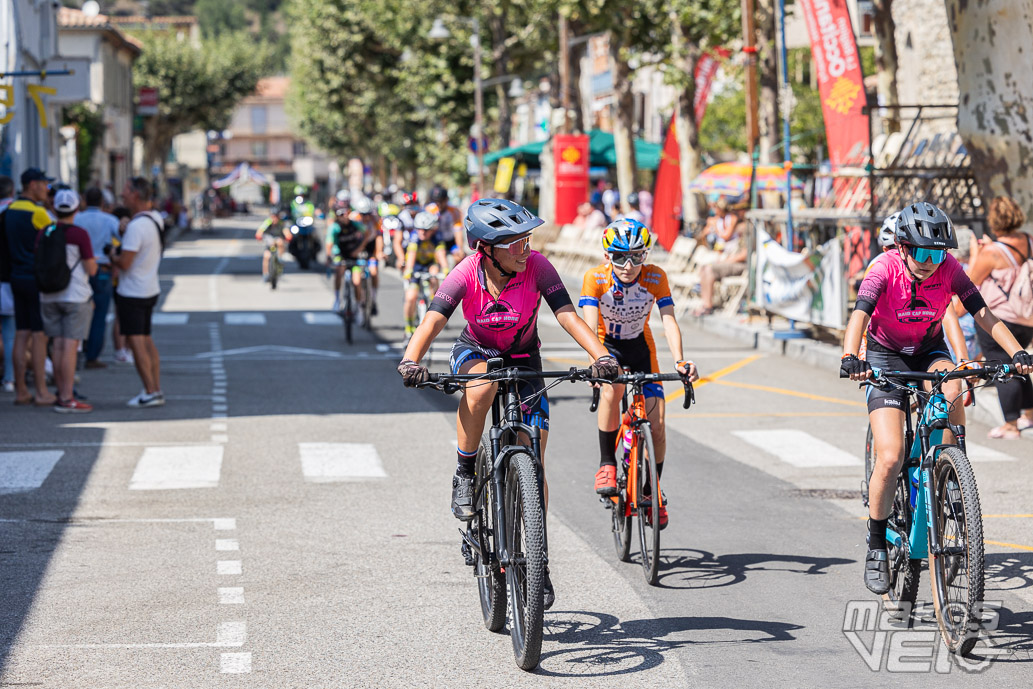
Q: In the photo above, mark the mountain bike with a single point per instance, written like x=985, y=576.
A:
x=348, y=304
x=636, y=472
x=506, y=542
x=936, y=513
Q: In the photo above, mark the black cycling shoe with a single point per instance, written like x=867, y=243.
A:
x=550, y=593
x=877, y=572
x=373, y=311
x=462, y=497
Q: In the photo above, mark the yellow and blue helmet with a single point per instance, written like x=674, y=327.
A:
x=626, y=234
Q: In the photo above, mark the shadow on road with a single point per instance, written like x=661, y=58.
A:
x=597, y=644
x=699, y=569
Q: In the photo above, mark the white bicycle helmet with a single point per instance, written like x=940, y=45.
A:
x=362, y=205
x=425, y=221
x=888, y=233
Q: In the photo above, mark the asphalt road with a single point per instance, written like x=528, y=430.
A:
x=283, y=521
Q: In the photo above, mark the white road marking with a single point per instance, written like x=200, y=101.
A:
x=231, y=595
x=219, y=415
x=383, y=348
x=220, y=438
x=799, y=448
x=981, y=453
x=244, y=319
x=21, y=472
x=235, y=663
x=316, y=318
x=217, y=427
x=332, y=462
x=226, y=544
x=170, y=318
x=221, y=399
x=220, y=407
x=228, y=635
x=165, y=468
x=225, y=524
x=228, y=567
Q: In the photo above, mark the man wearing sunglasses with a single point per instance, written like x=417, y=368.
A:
x=617, y=297
x=902, y=301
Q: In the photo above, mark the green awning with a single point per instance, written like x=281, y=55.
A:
x=602, y=152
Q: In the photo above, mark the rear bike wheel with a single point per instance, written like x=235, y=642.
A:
x=904, y=572
x=648, y=508
x=274, y=269
x=422, y=303
x=491, y=582
x=957, y=575
x=620, y=520
x=525, y=572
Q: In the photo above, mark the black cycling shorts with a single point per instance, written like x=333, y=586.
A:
x=639, y=356
x=536, y=411
x=879, y=357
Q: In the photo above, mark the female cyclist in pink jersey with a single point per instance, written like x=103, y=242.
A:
x=500, y=287
x=901, y=301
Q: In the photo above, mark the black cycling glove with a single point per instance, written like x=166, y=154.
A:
x=412, y=373
x=605, y=367
x=1022, y=358
x=852, y=366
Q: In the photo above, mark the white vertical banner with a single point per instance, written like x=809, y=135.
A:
x=806, y=287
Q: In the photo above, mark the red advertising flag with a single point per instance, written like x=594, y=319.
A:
x=840, y=81
x=570, y=156
x=706, y=69
x=667, y=192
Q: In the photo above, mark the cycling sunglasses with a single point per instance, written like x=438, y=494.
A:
x=925, y=255
x=621, y=260
x=516, y=247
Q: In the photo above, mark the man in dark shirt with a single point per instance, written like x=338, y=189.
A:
x=25, y=217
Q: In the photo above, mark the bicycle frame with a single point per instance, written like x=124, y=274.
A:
x=917, y=470
x=633, y=416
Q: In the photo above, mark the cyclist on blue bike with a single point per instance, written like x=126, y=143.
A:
x=901, y=302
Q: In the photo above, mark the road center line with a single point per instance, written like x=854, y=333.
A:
x=731, y=368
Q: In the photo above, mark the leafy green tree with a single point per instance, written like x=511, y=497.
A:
x=198, y=87
x=218, y=17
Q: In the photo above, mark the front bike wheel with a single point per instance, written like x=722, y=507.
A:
x=348, y=308
x=899, y=601
x=648, y=508
x=525, y=571
x=421, y=306
x=957, y=575
x=491, y=583
x=367, y=304
x=869, y=464
x=274, y=271
x=620, y=520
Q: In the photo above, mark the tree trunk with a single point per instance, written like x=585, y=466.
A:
x=624, y=124
x=547, y=186
x=767, y=65
x=992, y=40
x=886, y=60
x=686, y=128
x=500, y=58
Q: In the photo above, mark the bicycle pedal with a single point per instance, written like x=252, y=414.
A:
x=468, y=555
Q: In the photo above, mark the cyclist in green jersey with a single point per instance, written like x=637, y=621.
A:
x=275, y=234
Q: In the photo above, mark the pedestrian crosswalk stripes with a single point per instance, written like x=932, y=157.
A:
x=169, y=468
x=244, y=319
x=798, y=448
x=333, y=462
x=21, y=472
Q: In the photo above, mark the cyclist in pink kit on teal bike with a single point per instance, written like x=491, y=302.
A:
x=901, y=302
x=500, y=287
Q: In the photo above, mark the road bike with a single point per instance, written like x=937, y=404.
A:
x=505, y=542
x=936, y=513
x=636, y=472
x=348, y=304
x=275, y=266
x=425, y=293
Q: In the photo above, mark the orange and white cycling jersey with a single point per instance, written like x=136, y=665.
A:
x=624, y=309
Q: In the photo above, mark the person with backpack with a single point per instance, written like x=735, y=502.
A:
x=1004, y=272
x=64, y=265
x=23, y=220
x=138, y=287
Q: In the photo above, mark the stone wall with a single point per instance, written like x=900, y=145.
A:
x=926, y=73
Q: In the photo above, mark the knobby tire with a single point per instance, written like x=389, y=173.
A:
x=491, y=583
x=525, y=526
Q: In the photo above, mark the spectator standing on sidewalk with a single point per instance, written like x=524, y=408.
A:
x=23, y=220
x=67, y=313
x=6, y=295
x=138, y=287
x=103, y=230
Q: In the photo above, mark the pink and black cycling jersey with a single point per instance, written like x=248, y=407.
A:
x=906, y=315
x=509, y=323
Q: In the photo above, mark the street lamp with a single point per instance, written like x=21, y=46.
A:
x=438, y=31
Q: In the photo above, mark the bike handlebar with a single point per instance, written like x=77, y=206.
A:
x=983, y=371
x=687, y=401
